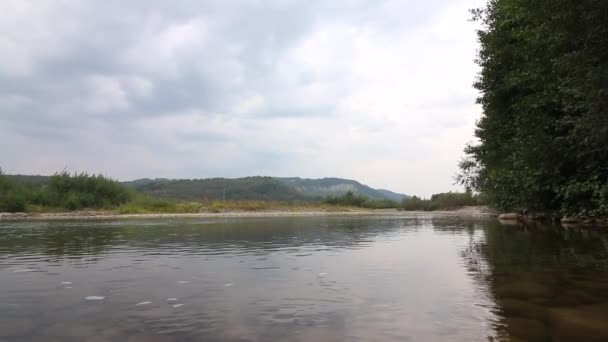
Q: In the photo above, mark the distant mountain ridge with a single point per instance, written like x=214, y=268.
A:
x=324, y=187
x=246, y=188
x=258, y=188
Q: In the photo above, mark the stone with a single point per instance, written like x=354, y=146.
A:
x=568, y=219
x=524, y=309
x=526, y=329
x=523, y=290
x=509, y=216
x=572, y=297
x=581, y=323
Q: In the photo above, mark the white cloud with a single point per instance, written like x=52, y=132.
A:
x=162, y=48
x=105, y=94
x=376, y=91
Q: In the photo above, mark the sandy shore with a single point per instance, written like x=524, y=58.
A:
x=101, y=215
x=108, y=215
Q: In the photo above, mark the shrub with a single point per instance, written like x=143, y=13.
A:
x=13, y=201
x=216, y=207
x=442, y=201
x=81, y=190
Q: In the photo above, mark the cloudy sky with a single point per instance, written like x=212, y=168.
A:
x=372, y=90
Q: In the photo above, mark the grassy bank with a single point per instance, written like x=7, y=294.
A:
x=66, y=192
x=81, y=191
x=147, y=205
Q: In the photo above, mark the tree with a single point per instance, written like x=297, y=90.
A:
x=543, y=136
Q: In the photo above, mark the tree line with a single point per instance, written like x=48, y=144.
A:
x=78, y=191
x=440, y=201
x=543, y=136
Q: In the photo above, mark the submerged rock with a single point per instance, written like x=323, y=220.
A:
x=509, y=216
x=582, y=323
x=523, y=308
x=575, y=297
x=524, y=290
x=526, y=329
x=568, y=219
x=510, y=222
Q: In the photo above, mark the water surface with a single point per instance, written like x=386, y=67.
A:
x=400, y=277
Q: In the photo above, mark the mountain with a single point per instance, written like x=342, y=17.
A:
x=317, y=188
x=257, y=188
x=247, y=188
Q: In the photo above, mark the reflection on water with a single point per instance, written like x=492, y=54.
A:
x=416, y=277
x=548, y=283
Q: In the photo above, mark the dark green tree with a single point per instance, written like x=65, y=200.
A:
x=543, y=136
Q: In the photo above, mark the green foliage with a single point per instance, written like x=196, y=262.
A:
x=354, y=200
x=81, y=190
x=14, y=201
x=72, y=192
x=442, y=201
x=142, y=204
x=416, y=203
x=217, y=207
x=543, y=136
x=12, y=195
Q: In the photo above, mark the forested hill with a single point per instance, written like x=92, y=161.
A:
x=257, y=188
x=337, y=186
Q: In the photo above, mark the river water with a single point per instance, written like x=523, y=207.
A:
x=397, y=277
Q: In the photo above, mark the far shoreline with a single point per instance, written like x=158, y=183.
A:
x=111, y=215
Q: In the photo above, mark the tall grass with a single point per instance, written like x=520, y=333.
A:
x=142, y=204
x=81, y=190
x=63, y=191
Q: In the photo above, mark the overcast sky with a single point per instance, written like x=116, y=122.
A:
x=377, y=91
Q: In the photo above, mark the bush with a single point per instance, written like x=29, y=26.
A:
x=72, y=192
x=442, y=201
x=13, y=197
x=354, y=200
x=82, y=190
x=217, y=207
x=13, y=202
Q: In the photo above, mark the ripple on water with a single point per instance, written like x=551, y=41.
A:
x=417, y=278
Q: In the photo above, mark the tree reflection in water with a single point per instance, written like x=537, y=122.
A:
x=549, y=283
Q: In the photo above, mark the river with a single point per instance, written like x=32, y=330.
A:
x=394, y=277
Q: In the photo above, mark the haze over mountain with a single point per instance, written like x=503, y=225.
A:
x=246, y=188
x=337, y=186
x=257, y=188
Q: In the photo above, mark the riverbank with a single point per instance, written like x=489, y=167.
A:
x=108, y=215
